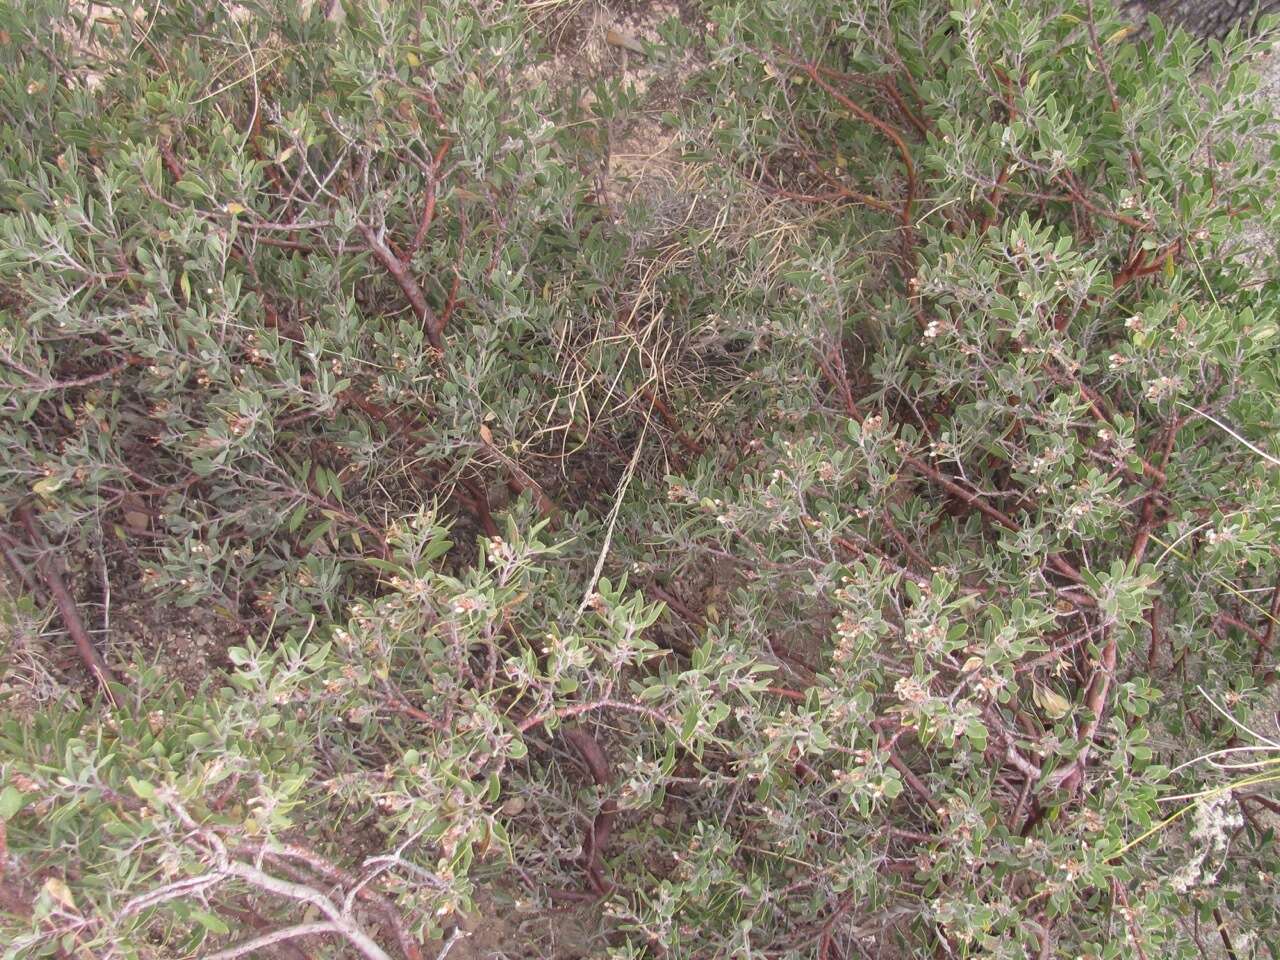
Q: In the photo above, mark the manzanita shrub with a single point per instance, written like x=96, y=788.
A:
x=866, y=548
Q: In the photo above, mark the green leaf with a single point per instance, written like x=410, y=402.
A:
x=11, y=801
x=210, y=922
x=48, y=486
x=692, y=716
x=295, y=519
x=192, y=187
x=316, y=532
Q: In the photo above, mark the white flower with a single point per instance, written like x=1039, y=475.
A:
x=1162, y=387
x=910, y=690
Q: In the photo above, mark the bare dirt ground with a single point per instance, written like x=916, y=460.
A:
x=636, y=43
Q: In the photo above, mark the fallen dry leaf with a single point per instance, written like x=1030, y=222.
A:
x=619, y=39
